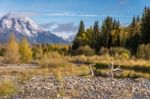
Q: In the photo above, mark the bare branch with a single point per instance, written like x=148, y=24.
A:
x=113, y=71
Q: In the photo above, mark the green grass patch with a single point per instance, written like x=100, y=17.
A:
x=138, y=68
x=124, y=74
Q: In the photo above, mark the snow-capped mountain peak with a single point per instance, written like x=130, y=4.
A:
x=20, y=24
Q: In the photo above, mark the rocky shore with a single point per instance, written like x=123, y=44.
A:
x=84, y=88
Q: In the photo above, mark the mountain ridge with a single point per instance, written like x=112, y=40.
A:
x=22, y=26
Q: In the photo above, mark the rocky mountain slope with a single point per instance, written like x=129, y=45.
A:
x=22, y=26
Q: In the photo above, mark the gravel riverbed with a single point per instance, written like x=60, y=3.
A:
x=73, y=87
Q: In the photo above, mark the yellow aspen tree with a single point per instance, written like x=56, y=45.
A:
x=25, y=51
x=12, y=51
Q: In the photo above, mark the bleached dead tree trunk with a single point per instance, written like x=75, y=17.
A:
x=91, y=70
x=114, y=71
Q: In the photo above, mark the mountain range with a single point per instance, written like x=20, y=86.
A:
x=22, y=26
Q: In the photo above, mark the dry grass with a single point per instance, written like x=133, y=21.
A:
x=7, y=87
x=129, y=62
x=60, y=66
x=52, y=59
x=25, y=75
x=132, y=67
x=79, y=59
x=106, y=59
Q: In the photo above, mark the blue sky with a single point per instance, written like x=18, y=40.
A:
x=61, y=15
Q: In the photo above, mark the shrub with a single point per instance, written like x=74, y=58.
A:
x=101, y=72
x=125, y=73
x=52, y=59
x=140, y=51
x=124, y=55
x=84, y=50
x=79, y=59
x=44, y=61
x=7, y=88
x=2, y=51
x=83, y=70
x=120, y=52
x=103, y=51
x=60, y=48
x=143, y=51
x=37, y=52
x=147, y=51
x=58, y=74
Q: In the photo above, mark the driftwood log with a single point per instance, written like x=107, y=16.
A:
x=114, y=71
x=91, y=70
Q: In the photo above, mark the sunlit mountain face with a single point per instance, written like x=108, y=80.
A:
x=24, y=27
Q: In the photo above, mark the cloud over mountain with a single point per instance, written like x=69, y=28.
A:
x=22, y=26
x=56, y=27
x=62, y=30
x=67, y=27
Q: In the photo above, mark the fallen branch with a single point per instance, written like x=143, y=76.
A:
x=91, y=70
x=114, y=71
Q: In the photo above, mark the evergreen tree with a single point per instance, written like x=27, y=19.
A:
x=138, y=19
x=117, y=42
x=145, y=26
x=112, y=34
x=88, y=36
x=134, y=35
x=25, y=51
x=96, y=28
x=96, y=37
x=12, y=51
x=115, y=34
x=107, y=28
x=81, y=28
x=78, y=41
x=124, y=31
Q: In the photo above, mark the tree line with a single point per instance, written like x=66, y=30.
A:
x=113, y=34
x=23, y=52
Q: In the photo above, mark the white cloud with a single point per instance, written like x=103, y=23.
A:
x=67, y=14
x=71, y=14
x=85, y=15
x=64, y=30
x=63, y=27
x=66, y=27
x=64, y=35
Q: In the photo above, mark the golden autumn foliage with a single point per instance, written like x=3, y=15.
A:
x=12, y=51
x=25, y=51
